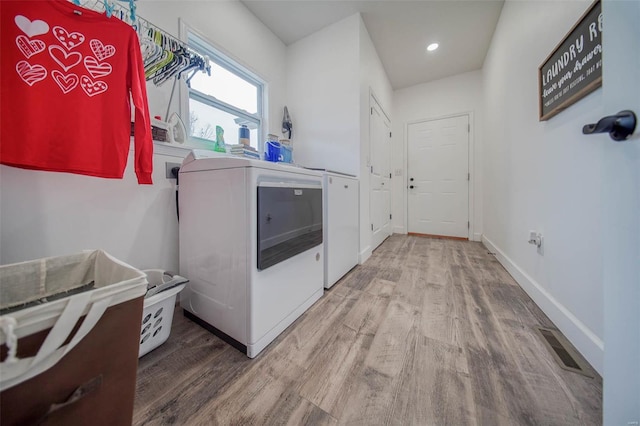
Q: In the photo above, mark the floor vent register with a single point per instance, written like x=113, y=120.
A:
x=563, y=352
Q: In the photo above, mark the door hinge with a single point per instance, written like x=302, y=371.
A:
x=372, y=226
x=371, y=169
x=468, y=176
x=389, y=175
x=468, y=128
x=389, y=134
x=390, y=216
x=372, y=111
x=468, y=225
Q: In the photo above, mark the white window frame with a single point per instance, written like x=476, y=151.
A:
x=195, y=40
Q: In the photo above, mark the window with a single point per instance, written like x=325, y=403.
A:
x=230, y=97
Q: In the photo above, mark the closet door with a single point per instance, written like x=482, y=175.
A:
x=380, y=148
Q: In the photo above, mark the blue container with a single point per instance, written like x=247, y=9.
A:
x=287, y=153
x=272, y=151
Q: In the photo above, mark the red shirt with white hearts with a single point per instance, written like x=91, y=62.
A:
x=68, y=77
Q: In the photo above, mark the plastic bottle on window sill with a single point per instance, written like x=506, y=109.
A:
x=272, y=149
x=286, y=151
x=219, y=145
x=244, y=136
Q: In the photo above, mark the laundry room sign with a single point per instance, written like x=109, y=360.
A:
x=574, y=67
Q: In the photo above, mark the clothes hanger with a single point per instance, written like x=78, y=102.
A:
x=167, y=55
x=181, y=61
x=164, y=57
x=152, y=50
x=108, y=8
x=170, y=70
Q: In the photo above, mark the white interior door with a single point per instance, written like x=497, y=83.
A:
x=380, y=138
x=621, y=204
x=438, y=177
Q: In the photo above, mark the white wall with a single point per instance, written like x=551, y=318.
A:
x=543, y=176
x=322, y=97
x=330, y=75
x=46, y=213
x=50, y=214
x=373, y=80
x=454, y=95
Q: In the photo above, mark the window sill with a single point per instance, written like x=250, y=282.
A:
x=175, y=149
x=172, y=149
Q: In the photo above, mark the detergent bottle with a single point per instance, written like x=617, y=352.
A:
x=219, y=145
x=272, y=149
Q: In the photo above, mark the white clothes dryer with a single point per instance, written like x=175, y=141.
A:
x=251, y=245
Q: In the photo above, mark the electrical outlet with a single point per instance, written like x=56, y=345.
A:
x=540, y=244
x=536, y=239
x=167, y=167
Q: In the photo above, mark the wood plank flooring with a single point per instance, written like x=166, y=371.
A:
x=426, y=332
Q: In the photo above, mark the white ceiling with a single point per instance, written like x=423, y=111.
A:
x=400, y=31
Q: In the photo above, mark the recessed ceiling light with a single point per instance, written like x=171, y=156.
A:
x=432, y=47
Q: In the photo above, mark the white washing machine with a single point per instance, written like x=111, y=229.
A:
x=341, y=225
x=251, y=245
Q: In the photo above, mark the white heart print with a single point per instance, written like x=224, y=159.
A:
x=64, y=59
x=66, y=82
x=67, y=39
x=31, y=74
x=31, y=28
x=91, y=87
x=101, y=51
x=95, y=68
x=29, y=47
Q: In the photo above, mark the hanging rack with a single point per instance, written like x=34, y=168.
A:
x=164, y=56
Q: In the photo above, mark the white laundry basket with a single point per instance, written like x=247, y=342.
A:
x=158, y=309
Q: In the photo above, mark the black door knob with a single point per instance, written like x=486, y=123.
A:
x=619, y=126
x=410, y=186
x=411, y=179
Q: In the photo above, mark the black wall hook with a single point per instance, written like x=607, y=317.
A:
x=619, y=126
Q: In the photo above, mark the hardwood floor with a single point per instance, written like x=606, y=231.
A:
x=426, y=332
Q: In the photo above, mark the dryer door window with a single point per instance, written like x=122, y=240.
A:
x=289, y=222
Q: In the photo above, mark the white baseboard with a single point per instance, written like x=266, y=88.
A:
x=364, y=255
x=589, y=345
x=399, y=230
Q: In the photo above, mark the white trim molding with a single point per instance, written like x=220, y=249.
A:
x=399, y=230
x=589, y=345
x=364, y=255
